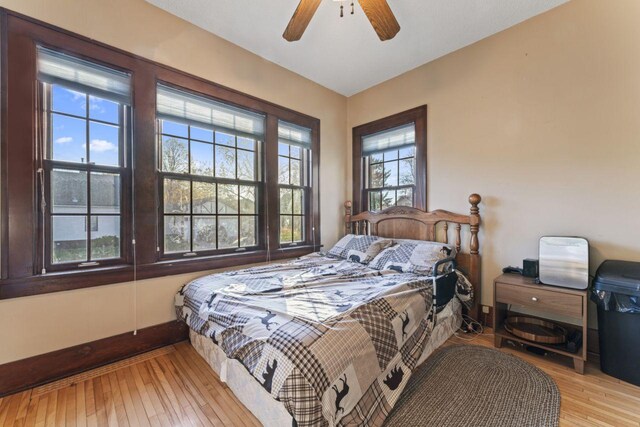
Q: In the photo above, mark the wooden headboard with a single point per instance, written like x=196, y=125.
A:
x=400, y=222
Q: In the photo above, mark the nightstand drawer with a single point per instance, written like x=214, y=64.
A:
x=549, y=301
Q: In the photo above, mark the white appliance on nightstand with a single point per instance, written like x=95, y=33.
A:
x=564, y=261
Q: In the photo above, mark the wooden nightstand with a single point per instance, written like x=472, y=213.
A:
x=513, y=291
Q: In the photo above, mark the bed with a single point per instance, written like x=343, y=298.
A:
x=327, y=340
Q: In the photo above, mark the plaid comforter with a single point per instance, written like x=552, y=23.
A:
x=333, y=340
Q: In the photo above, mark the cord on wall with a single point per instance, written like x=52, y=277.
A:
x=42, y=175
x=133, y=241
x=135, y=290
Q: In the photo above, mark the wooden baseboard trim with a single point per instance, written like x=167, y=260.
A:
x=37, y=370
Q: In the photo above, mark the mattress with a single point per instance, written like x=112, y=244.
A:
x=269, y=411
x=334, y=341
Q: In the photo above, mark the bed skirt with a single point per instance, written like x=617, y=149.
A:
x=269, y=411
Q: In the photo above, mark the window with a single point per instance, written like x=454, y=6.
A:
x=85, y=115
x=389, y=165
x=209, y=164
x=294, y=181
x=389, y=157
x=139, y=170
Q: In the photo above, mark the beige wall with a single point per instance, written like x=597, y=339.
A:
x=542, y=120
x=40, y=324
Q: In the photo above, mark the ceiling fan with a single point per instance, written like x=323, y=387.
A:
x=378, y=11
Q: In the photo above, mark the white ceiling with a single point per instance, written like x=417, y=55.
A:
x=344, y=54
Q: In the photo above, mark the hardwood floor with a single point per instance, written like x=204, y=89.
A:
x=173, y=386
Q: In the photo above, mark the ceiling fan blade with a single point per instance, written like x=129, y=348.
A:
x=300, y=19
x=381, y=18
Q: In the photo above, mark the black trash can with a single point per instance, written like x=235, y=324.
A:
x=616, y=291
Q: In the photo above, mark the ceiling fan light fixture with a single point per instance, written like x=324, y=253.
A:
x=377, y=11
x=342, y=7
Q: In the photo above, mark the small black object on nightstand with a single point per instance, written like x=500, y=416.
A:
x=530, y=268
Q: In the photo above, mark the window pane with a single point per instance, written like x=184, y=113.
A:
x=105, y=237
x=405, y=197
x=407, y=152
x=228, y=232
x=175, y=155
x=376, y=158
x=374, y=201
x=68, y=191
x=201, y=134
x=177, y=233
x=247, y=199
x=69, y=243
x=201, y=158
x=104, y=147
x=227, y=199
x=296, y=172
x=376, y=173
x=204, y=198
x=391, y=174
x=69, y=139
x=204, y=233
x=388, y=199
x=283, y=170
x=246, y=165
x=175, y=129
x=105, y=193
x=286, y=199
x=298, y=206
x=225, y=162
x=406, y=172
x=283, y=149
x=298, y=235
x=286, y=232
x=296, y=152
x=247, y=231
x=177, y=196
x=391, y=155
x=103, y=109
x=247, y=143
x=225, y=139
x=68, y=101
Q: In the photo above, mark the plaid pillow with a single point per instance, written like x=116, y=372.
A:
x=360, y=249
x=412, y=257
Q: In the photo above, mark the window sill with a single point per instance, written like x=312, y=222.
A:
x=65, y=281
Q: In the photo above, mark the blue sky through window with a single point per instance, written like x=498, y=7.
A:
x=69, y=135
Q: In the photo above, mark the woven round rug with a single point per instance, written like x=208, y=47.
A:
x=466, y=385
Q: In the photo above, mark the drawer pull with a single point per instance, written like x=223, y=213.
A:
x=534, y=299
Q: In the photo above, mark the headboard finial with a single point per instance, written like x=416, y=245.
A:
x=475, y=200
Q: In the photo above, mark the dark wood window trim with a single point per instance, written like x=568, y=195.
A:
x=416, y=115
x=20, y=275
